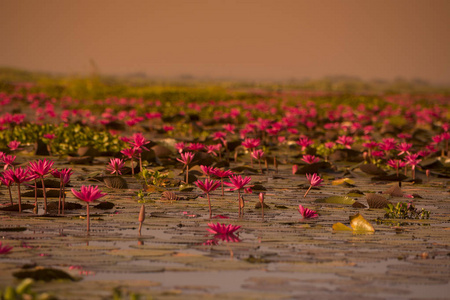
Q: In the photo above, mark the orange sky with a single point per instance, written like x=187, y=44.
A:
x=259, y=39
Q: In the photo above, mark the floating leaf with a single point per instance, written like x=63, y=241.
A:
x=358, y=223
x=377, y=201
x=394, y=191
x=186, y=188
x=358, y=204
x=341, y=227
x=152, y=189
x=115, y=182
x=44, y=274
x=337, y=200
x=372, y=169
x=342, y=181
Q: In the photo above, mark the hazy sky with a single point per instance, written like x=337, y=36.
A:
x=259, y=39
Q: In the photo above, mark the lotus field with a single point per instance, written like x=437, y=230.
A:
x=126, y=191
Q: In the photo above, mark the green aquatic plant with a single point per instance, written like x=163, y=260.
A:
x=23, y=292
x=403, y=210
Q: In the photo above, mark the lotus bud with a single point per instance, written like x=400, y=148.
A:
x=142, y=214
x=294, y=169
x=141, y=218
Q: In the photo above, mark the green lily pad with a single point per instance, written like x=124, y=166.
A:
x=337, y=200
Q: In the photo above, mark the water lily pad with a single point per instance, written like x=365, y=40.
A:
x=358, y=223
x=343, y=181
x=115, y=182
x=341, y=227
x=44, y=274
x=372, y=169
x=337, y=200
x=377, y=201
x=394, y=191
x=391, y=177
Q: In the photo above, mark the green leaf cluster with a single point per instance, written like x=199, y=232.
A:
x=23, y=291
x=404, y=210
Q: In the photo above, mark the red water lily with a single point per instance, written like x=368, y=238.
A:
x=222, y=174
x=64, y=177
x=41, y=168
x=222, y=228
x=307, y=213
x=186, y=159
x=5, y=249
x=18, y=175
x=238, y=183
x=131, y=153
x=208, y=186
x=115, y=166
x=314, y=180
x=88, y=194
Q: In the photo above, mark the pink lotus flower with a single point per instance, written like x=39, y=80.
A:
x=139, y=141
x=208, y=186
x=404, y=148
x=115, y=166
x=13, y=145
x=64, y=177
x=40, y=169
x=186, y=159
x=346, y=141
x=221, y=174
x=229, y=127
x=195, y=147
x=18, y=175
x=214, y=149
x=258, y=154
x=180, y=147
x=304, y=142
x=8, y=160
x=251, y=143
x=49, y=136
x=396, y=164
x=207, y=170
x=88, y=194
x=307, y=213
x=8, y=183
x=168, y=128
x=5, y=249
x=310, y=159
x=238, y=183
x=314, y=180
x=222, y=228
x=131, y=153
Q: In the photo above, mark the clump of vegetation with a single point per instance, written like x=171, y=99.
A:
x=23, y=291
x=403, y=210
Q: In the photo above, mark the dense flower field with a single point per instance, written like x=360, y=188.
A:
x=194, y=144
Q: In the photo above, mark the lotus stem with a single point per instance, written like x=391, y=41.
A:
x=10, y=194
x=88, y=221
x=45, y=195
x=304, y=196
x=132, y=167
x=20, y=198
x=209, y=204
x=60, y=194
